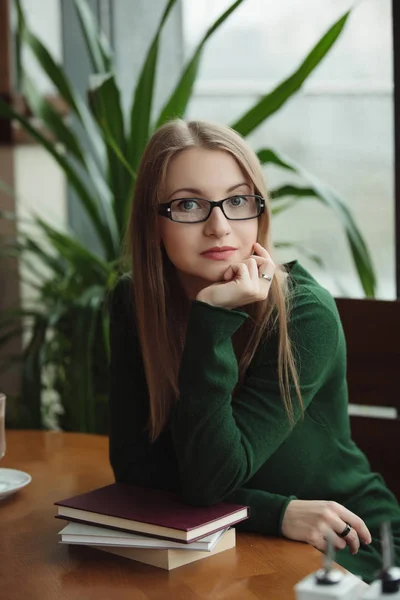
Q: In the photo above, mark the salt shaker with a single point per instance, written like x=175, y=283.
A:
x=329, y=583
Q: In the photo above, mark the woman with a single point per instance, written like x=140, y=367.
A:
x=228, y=371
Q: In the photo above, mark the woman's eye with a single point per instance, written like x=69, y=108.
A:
x=238, y=200
x=187, y=205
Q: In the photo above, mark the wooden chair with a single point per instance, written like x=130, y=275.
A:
x=372, y=330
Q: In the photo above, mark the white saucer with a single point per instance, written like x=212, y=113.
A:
x=11, y=481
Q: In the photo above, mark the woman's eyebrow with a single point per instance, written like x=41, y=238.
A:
x=198, y=192
x=237, y=185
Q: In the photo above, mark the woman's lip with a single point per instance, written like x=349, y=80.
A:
x=219, y=255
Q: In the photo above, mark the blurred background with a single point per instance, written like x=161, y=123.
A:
x=310, y=86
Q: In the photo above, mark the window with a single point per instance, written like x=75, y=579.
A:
x=339, y=127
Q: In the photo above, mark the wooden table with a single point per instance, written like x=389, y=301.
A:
x=34, y=566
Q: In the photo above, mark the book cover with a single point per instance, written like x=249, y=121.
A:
x=150, y=512
x=171, y=559
x=77, y=533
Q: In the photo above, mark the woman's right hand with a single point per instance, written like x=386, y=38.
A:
x=312, y=521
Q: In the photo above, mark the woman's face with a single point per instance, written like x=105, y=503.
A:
x=212, y=175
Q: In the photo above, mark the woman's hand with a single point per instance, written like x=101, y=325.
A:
x=242, y=283
x=312, y=521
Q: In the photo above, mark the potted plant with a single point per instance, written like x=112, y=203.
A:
x=66, y=356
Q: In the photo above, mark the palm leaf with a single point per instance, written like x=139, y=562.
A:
x=97, y=44
x=177, y=104
x=72, y=251
x=69, y=95
x=54, y=123
x=143, y=98
x=32, y=373
x=315, y=258
x=329, y=198
x=82, y=405
x=28, y=245
x=105, y=103
x=279, y=207
x=302, y=250
x=88, y=202
x=273, y=101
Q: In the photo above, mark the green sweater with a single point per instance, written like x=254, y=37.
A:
x=241, y=448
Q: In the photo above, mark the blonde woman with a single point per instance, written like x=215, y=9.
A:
x=228, y=371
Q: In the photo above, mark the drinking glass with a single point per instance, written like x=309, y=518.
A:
x=2, y=425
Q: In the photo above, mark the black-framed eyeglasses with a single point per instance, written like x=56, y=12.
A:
x=195, y=210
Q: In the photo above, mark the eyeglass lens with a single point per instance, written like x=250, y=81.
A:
x=195, y=209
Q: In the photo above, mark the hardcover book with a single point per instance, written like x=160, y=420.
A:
x=151, y=512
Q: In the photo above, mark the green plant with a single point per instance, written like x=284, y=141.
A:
x=67, y=349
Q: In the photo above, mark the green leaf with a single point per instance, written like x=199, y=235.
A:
x=310, y=255
x=83, y=402
x=28, y=245
x=284, y=197
x=291, y=190
x=65, y=134
x=329, y=198
x=43, y=56
x=96, y=42
x=105, y=103
x=143, y=98
x=88, y=202
x=60, y=81
x=106, y=334
x=177, y=104
x=302, y=250
x=15, y=314
x=273, y=101
x=54, y=123
x=280, y=207
x=18, y=45
x=72, y=251
x=32, y=373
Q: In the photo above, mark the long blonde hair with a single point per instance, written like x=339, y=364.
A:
x=161, y=307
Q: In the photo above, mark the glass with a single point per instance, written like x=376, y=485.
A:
x=348, y=100
x=2, y=425
x=195, y=210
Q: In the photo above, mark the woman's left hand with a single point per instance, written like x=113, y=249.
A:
x=242, y=283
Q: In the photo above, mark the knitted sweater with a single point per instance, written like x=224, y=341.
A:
x=240, y=447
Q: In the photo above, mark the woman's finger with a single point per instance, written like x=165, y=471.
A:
x=337, y=525
x=353, y=541
x=252, y=266
x=261, y=251
x=260, y=260
x=355, y=522
x=338, y=542
x=236, y=271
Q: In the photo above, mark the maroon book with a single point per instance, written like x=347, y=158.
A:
x=148, y=511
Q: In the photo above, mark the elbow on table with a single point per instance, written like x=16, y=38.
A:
x=202, y=495
x=200, y=499
x=209, y=490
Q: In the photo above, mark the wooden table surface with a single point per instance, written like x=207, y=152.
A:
x=34, y=566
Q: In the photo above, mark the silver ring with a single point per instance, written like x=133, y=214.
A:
x=265, y=276
x=345, y=531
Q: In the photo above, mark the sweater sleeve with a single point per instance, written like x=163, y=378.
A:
x=221, y=441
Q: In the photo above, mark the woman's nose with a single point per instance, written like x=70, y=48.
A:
x=217, y=222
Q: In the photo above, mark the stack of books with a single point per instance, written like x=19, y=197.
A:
x=151, y=526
